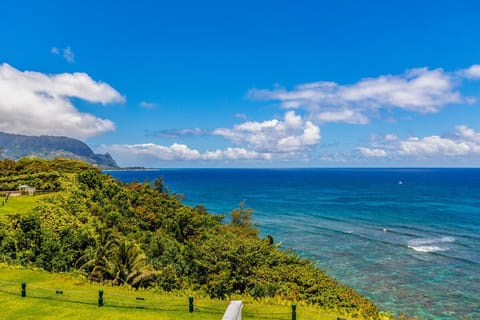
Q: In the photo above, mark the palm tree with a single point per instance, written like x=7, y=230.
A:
x=130, y=265
x=117, y=259
x=98, y=262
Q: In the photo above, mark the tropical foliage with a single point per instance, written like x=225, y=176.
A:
x=139, y=234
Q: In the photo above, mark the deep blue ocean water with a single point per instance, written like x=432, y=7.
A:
x=407, y=238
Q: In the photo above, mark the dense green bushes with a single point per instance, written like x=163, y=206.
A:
x=140, y=235
x=40, y=174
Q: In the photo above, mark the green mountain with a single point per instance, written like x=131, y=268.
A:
x=17, y=146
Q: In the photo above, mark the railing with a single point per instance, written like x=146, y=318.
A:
x=102, y=298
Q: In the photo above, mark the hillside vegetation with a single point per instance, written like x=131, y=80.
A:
x=141, y=236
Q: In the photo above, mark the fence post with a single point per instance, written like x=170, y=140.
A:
x=100, y=298
x=24, y=289
x=294, y=311
x=190, y=304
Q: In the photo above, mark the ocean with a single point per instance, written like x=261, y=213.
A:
x=407, y=238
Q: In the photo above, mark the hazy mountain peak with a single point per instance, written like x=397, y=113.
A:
x=17, y=146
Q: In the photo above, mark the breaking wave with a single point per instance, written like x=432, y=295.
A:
x=430, y=244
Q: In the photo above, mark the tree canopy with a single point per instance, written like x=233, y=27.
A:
x=141, y=235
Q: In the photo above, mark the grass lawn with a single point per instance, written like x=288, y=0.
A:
x=20, y=204
x=79, y=300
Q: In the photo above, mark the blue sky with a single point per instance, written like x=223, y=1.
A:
x=248, y=83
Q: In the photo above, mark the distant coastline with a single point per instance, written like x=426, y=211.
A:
x=130, y=169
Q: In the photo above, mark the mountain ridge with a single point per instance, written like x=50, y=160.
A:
x=17, y=146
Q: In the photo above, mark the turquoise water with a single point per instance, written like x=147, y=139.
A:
x=407, y=238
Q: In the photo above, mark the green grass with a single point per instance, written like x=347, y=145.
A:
x=80, y=297
x=20, y=204
x=80, y=301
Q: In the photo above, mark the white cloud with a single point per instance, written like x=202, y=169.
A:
x=282, y=139
x=391, y=137
x=148, y=105
x=66, y=53
x=241, y=116
x=367, y=152
x=464, y=142
x=132, y=154
x=420, y=90
x=471, y=73
x=434, y=145
x=180, y=133
x=150, y=150
x=342, y=115
x=468, y=134
x=334, y=157
x=291, y=135
x=235, y=154
x=36, y=103
x=263, y=141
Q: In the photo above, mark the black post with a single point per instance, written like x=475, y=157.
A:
x=294, y=311
x=24, y=289
x=100, y=298
x=190, y=304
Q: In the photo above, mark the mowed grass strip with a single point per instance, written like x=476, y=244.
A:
x=79, y=300
x=19, y=204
